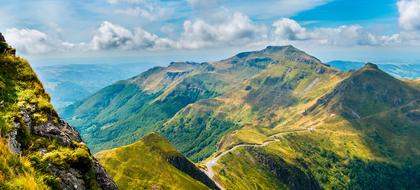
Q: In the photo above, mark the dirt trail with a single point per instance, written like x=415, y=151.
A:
x=212, y=162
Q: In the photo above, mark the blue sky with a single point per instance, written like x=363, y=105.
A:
x=120, y=31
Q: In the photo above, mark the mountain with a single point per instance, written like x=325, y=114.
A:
x=70, y=83
x=153, y=163
x=112, y=116
x=38, y=149
x=277, y=118
x=408, y=71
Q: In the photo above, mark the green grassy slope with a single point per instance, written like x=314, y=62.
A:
x=364, y=135
x=124, y=112
x=152, y=163
x=37, y=148
x=325, y=128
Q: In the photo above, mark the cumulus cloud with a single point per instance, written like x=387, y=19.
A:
x=234, y=28
x=346, y=35
x=110, y=36
x=289, y=29
x=409, y=14
x=28, y=41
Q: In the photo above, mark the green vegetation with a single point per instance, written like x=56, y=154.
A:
x=349, y=128
x=145, y=165
x=24, y=105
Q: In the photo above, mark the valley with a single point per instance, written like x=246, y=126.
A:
x=268, y=119
x=209, y=95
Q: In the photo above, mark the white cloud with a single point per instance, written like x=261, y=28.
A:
x=409, y=14
x=346, y=35
x=110, y=36
x=28, y=41
x=289, y=29
x=150, y=13
x=229, y=29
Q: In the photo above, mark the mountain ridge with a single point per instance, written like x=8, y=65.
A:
x=156, y=151
x=351, y=122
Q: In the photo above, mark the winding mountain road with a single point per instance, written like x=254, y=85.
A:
x=212, y=162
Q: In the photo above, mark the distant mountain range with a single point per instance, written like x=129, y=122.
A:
x=68, y=84
x=408, y=71
x=277, y=118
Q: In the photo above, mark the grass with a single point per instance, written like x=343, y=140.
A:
x=17, y=172
x=21, y=89
x=144, y=165
x=359, y=121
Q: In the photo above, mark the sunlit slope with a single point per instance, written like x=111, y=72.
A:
x=362, y=134
x=152, y=163
x=279, y=117
x=124, y=112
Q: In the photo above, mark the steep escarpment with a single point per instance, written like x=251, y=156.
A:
x=43, y=151
x=153, y=163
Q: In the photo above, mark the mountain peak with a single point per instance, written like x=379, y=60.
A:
x=370, y=66
x=274, y=49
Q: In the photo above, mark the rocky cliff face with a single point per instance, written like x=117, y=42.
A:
x=34, y=132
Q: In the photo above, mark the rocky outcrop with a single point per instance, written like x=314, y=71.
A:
x=71, y=179
x=65, y=135
x=104, y=180
x=13, y=143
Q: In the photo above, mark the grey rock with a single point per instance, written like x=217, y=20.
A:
x=43, y=151
x=103, y=179
x=14, y=145
x=71, y=179
x=26, y=116
x=70, y=131
x=51, y=131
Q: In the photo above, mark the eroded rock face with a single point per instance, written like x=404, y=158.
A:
x=65, y=135
x=104, y=180
x=14, y=145
x=71, y=179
